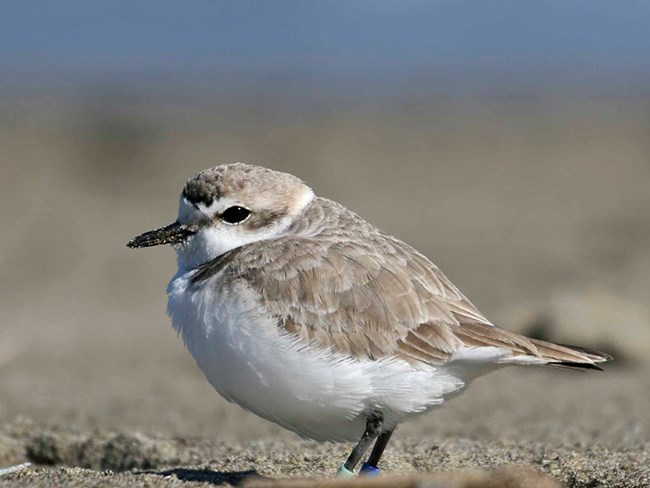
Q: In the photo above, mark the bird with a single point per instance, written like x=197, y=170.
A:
x=305, y=314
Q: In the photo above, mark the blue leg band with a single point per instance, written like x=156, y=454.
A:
x=369, y=471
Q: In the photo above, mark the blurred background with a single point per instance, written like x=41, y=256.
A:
x=509, y=141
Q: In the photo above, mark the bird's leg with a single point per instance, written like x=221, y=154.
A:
x=370, y=468
x=374, y=422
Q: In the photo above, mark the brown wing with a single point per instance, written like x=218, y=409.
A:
x=338, y=282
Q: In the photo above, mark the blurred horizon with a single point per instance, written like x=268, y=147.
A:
x=362, y=49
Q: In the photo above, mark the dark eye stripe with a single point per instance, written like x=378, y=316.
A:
x=266, y=218
x=235, y=215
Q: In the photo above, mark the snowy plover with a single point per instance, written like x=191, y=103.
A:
x=302, y=312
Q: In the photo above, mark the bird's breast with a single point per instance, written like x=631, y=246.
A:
x=315, y=392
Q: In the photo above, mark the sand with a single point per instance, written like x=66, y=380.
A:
x=119, y=459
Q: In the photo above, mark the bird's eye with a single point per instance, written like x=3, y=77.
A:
x=235, y=215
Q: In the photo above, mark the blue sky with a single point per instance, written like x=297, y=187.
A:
x=579, y=40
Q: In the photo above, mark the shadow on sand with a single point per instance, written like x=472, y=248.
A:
x=235, y=478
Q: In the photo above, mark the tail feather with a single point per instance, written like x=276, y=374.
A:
x=592, y=352
x=568, y=356
x=568, y=365
x=527, y=350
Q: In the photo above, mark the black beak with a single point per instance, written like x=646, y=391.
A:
x=170, y=234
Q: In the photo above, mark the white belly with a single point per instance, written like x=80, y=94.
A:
x=249, y=360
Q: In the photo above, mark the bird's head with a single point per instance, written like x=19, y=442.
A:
x=228, y=206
